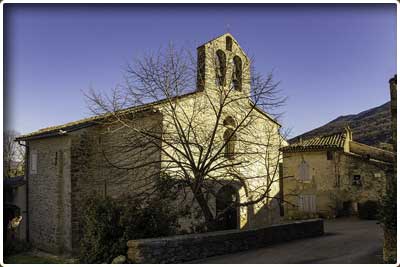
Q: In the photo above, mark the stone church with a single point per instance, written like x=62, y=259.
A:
x=66, y=163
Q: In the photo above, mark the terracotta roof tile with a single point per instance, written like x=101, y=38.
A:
x=335, y=141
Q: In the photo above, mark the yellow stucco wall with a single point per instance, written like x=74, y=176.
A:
x=331, y=181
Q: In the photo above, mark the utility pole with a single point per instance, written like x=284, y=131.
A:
x=390, y=232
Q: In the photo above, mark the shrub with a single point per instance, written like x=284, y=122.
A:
x=102, y=231
x=388, y=216
x=155, y=219
x=368, y=210
x=108, y=223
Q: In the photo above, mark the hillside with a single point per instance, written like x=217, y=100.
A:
x=370, y=127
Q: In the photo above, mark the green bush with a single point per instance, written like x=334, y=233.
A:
x=155, y=219
x=109, y=223
x=368, y=210
x=388, y=216
x=388, y=212
x=101, y=230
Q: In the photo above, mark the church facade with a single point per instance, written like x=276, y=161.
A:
x=66, y=163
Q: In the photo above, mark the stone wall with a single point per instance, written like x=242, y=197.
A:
x=49, y=195
x=373, y=179
x=70, y=168
x=92, y=173
x=196, y=246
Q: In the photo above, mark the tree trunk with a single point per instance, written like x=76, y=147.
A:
x=208, y=216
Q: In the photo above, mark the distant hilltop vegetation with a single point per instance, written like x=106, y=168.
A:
x=371, y=127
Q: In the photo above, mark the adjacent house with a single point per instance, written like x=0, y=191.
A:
x=332, y=175
x=66, y=163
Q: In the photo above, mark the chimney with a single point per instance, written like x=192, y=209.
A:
x=349, y=133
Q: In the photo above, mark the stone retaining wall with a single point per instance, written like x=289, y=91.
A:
x=196, y=246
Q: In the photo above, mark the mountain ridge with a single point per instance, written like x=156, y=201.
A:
x=371, y=126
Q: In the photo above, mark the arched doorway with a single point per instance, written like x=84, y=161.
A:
x=228, y=214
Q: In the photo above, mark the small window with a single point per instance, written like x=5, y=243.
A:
x=33, y=162
x=357, y=180
x=228, y=43
x=329, y=155
x=60, y=162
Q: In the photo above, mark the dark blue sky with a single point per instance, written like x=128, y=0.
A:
x=331, y=60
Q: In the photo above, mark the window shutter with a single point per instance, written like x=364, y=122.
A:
x=307, y=203
x=313, y=204
x=301, y=203
x=304, y=171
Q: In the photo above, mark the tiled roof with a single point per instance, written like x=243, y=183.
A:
x=335, y=141
x=53, y=130
x=75, y=125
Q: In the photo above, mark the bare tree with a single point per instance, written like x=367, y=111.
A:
x=219, y=135
x=13, y=155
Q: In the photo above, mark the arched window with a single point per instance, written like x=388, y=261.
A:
x=228, y=41
x=230, y=140
x=220, y=67
x=229, y=137
x=237, y=73
x=229, y=122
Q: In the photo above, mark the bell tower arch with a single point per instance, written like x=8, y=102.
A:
x=222, y=62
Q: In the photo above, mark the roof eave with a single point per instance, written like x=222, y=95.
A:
x=289, y=149
x=56, y=132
